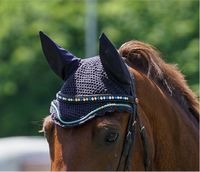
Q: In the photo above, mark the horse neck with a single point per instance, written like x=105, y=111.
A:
x=171, y=134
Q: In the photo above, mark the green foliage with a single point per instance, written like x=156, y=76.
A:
x=27, y=85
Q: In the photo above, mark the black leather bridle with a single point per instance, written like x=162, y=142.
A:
x=125, y=159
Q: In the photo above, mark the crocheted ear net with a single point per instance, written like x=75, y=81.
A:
x=89, y=79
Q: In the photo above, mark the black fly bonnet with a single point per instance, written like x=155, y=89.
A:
x=92, y=87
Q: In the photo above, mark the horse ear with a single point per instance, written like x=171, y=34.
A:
x=62, y=62
x=112, y=61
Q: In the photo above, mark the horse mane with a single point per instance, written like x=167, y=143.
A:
x=147, y=60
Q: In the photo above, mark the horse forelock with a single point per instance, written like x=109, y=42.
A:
x=147, y=59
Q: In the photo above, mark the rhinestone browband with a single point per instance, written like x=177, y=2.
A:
x=94, y=98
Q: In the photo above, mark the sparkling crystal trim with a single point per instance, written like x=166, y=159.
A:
x=94, y=98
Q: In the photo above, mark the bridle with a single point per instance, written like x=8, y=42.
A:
x=125, y=159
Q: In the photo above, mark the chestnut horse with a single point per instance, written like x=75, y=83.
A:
x=166, y=124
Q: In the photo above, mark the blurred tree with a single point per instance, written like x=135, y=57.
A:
x=27, y=85
x=171, y=26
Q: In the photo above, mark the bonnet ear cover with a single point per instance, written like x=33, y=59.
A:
x=62, y=62
x=112, y=61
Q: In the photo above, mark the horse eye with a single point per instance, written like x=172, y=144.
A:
x=111, y=137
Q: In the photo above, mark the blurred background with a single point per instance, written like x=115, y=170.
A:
x=27, y=85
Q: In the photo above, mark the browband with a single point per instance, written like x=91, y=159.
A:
x=94, y=98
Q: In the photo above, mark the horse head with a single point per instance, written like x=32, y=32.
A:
x=97, y=122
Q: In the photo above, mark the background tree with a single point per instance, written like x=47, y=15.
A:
x=27, y=85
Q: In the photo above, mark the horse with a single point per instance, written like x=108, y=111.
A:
x=124, y=109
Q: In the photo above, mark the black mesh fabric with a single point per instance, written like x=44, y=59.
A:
x=89, y=79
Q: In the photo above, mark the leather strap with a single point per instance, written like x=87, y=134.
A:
x=125, y=160
x=146, y=148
